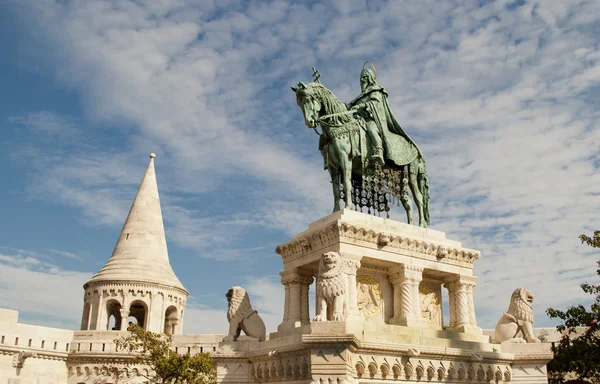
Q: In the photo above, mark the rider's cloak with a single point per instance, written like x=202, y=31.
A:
x=397, y=144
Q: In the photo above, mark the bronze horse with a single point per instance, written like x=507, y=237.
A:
x=345, y=149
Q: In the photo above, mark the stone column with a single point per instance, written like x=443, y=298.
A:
x=471, y=304
x=296, y=298
x=462, y=309
x=304, y=310
x=180, y=325
x=351, y=267
x=286, y=304
x=176, y=326
x=407, y=307
x=124, y=316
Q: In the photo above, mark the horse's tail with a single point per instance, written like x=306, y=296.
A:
x=424, y=189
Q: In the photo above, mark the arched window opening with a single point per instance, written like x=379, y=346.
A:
x=85, y=318
x=131, y=320
x=137, y=313
x=113, y=313
x=171, y=320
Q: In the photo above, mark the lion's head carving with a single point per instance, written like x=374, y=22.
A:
x=332, y=279
x=239, y=303
x=521, y=305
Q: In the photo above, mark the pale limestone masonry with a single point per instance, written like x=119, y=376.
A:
x=388, y=278
x=32, y=354
x=137, y=281
x=136, y=284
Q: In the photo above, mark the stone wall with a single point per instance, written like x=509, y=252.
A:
x=32, y=354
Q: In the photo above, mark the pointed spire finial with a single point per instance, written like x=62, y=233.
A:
x=141, y=251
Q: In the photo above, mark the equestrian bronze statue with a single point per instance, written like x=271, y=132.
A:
x=370, y=158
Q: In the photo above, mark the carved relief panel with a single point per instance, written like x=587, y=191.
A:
x=431, y=303
x=369, y=296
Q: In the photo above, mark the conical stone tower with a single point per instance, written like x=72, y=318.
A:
x=137, y=284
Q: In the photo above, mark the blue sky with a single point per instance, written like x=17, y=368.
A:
x=501, y=96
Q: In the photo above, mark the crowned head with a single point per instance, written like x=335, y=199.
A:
x=367, y=78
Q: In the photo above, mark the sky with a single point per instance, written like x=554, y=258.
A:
x=501, y=96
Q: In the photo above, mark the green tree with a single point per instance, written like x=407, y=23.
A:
x=578, y=353
x=167, y=367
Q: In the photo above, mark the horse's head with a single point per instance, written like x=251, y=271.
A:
x=308, y=98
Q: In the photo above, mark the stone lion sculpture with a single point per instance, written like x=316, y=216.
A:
x=518, y=319
x=242, y=317
x=331, y=288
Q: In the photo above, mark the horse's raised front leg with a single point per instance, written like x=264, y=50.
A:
x=335, y=184
x=347, y=179
x=416, y=192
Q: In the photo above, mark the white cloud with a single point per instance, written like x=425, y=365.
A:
x=495, y=97
x=40, y=289
x=46, y=122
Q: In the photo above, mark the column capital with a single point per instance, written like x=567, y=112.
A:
x=351, y=266
x=405, y=273
x=124, y=312
x=460, y=282
x=295, y=277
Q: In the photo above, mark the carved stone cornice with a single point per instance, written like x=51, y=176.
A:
x=281, y=353
x=20, y=353
x=100, y=358
x=340, y=231
x=126, y=286
x=313, y=340
x=373, y=269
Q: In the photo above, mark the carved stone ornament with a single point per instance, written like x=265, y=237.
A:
x=430, y=305
x=335, y=232
x=517, y=320
x=368, y=295
x=242, y=316
x=331, y=288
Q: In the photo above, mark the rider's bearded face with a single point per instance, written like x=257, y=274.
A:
x=364, y=81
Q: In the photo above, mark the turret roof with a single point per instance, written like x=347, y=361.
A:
x=141, y=255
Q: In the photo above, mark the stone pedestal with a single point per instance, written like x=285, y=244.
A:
x=397, y=258
x=383, y=279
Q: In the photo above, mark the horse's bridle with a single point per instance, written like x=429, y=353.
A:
x=324, y=117
x=336, y=114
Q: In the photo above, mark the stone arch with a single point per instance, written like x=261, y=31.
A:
x=171, y=320
x=397, y=370
x=408, y=370
x=430, y=373
x=372, y=370
x=360, y=369
x=85, y=317
x=113, y=315
x=385, y=370
x=441, y=372
x=420, y=371
x=138, y=310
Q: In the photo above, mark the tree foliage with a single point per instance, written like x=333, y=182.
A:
x=578, y=353
x=166, y=366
